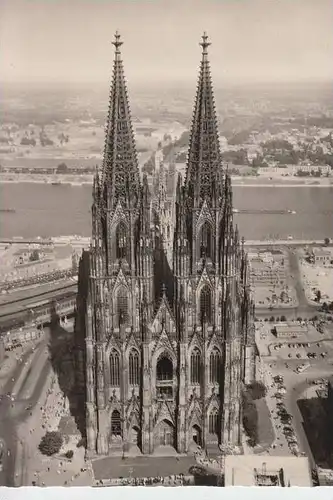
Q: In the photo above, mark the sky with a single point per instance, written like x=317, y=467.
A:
x=252, y=40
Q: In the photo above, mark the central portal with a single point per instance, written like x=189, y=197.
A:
x=165, y=435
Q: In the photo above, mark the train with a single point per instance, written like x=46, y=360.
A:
x=41, y=312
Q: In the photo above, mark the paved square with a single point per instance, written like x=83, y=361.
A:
x=139, y=467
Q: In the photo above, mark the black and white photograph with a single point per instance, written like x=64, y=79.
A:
x=166, y=243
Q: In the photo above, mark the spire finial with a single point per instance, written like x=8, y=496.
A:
x=205, y=44
x=117, y=42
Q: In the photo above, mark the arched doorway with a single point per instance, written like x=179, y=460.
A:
x=165, y=434
x=115, y=426
x=196, y=435
x=135, y=436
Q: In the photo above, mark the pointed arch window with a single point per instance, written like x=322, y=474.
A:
x=115, y=423
x=214, y=366
x=206, y=246
x=134, y=374
x=114, y=369
x=195, y=366
x=122, y=307
x=206, y=304
x=121, y=241
x=213, y=422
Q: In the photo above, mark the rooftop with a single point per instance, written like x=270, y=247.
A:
x=321, y=251
x=252, y=470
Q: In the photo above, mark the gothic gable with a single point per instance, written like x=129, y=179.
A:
x=164, y=342
x=164, y=412
x=132, y=342
x=213, y=402
x=194, y=412
x=213, y=341
x=120, y=280
x=163, y=317
x=113, y=342
x=119, y=215
x=205, y=279
x=205, y=215
x=133, y=412
x=196, y=341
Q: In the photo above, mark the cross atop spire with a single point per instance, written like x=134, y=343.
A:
x=205, y=44
x=117, y=42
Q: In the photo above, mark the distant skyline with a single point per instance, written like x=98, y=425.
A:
x=252, y=40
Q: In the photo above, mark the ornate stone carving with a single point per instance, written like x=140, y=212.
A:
x=120, y=198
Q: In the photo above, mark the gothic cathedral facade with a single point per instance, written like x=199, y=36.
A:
x=163, y=350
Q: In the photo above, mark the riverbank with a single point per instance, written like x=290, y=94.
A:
x=45, y=210
x=87, y=179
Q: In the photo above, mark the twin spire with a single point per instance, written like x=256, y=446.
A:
x=120, y=172
x=204, y=156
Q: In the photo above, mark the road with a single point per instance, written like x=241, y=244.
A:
x=13, y=413
x=295, y=386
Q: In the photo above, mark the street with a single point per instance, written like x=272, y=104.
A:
x=13, y=413
x=295, y=385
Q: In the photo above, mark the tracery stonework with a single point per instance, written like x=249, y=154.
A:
x=164, y=342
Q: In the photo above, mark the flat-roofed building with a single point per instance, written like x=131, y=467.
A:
x=322, y=256
x=289, y=330
x=252, y=470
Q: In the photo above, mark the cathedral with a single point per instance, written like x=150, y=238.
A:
x=164, y=344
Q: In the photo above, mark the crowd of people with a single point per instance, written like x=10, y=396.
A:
x=172, y=480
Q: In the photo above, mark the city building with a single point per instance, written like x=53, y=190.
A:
x=252, y=470
x=20, y=336
x=163, y=351
x=321, y=256
x=290, y=330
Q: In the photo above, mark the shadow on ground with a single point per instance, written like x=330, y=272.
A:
x=61, y=348
x=317, y=429
x=266, y=433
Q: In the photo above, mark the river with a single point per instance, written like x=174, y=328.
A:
x=49, y=210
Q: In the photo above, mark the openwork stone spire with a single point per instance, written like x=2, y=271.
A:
x=204, y=157
x=120, y=173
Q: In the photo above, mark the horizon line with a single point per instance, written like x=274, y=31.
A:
x=149, y=84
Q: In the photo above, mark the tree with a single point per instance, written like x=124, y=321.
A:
x=283, y=318
x=257, y=389
x=51, y=443
x=34, y=256
x=69, y=454
x=327, y=241
x=62, y=168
